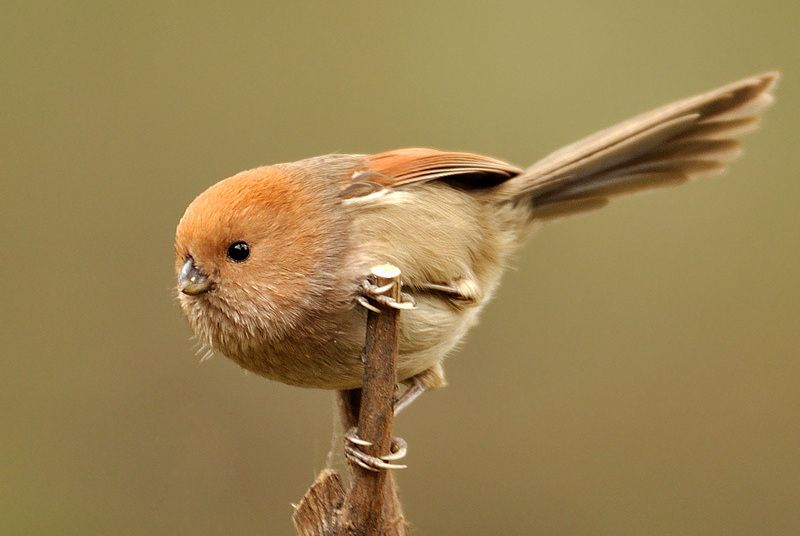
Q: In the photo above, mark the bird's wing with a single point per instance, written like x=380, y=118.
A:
x=407, y=166
x=381, y=173
x=665, y=146
x=438, y=263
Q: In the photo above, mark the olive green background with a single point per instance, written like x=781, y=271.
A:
x=636, y=374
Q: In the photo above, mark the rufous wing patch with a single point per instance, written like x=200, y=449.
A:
x=406, y=166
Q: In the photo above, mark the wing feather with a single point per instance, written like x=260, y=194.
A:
x=406, y=166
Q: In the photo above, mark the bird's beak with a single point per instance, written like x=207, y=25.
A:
x=191, y=280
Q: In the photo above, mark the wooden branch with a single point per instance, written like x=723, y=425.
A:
x=365, y=509
x=371, y=506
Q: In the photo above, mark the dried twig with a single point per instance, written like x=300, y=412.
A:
x=318, y=512
x=371, y=506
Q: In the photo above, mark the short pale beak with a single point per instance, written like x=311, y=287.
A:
x=191, y=280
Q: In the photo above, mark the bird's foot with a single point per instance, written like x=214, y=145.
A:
x=353, y=452
x=370, y=291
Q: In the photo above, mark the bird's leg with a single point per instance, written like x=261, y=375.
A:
x=370, y=291
x=427, y=380
x=413, y=392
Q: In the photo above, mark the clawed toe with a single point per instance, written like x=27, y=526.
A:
x=399, y=450
x=373, y=463
x=407, y=302
x=363, y=302
x=373, y=290
x=352, y=436
x=370, y=463
x=378, y=294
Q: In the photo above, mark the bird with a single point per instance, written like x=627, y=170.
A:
x=271, y=262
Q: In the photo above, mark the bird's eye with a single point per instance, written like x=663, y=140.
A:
x=238, y=251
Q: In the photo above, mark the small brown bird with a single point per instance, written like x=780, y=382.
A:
x=271, y=262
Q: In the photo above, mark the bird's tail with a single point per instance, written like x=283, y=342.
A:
x=670, y=145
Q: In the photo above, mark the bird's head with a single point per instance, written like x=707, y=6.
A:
x=255, y=253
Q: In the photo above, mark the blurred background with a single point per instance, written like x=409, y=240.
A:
x=636, y=374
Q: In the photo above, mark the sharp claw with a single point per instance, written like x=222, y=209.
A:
x=380, y=464
x=352, y=437
x=359, y=441
x=351, y=455
x=375, y=290
x=377, y=293
x=384, y=465
x=399, y=450
x=371, y=463
x=363, y=302
x=391, y=302
x=363, y=465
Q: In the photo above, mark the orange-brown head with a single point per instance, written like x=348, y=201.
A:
x=259, y=254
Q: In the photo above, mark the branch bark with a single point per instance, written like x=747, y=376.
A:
x=371, y=506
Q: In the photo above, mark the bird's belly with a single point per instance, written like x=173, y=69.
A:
x=429, y=332
x=426, y=335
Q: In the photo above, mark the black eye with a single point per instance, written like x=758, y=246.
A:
x=238, y=251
